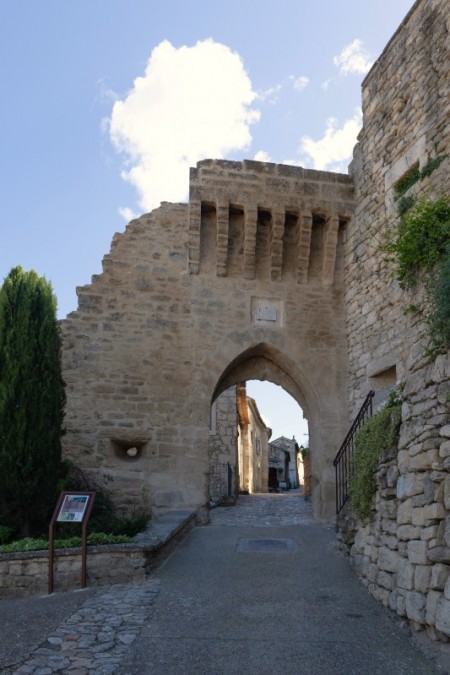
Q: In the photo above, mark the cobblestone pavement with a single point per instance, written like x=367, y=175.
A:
x=95, y=638
x=265, y=510
x=134, y=629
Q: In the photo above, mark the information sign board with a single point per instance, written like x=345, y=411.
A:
x=73, y=508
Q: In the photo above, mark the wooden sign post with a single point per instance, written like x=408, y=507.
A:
x=72, y=507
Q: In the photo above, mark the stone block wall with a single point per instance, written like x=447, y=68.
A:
x=244, y=282
x=23, y=574
x=405, y=100
x=223, y=446
x=403, y=554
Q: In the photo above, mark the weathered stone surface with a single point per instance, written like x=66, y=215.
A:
x=388, y=560
x=401, y=604
x=439, y=554
x=407, y=532
x=404, y=513
x=409, y=484
x=405, y=575
x=434, y=511
x=385, y=580
x=422, y=578
x=433, y=598
x=439, y=575
x=444, y=449
x=417, y=552
x=428, y=533
x=443, y=616
x=415, y=604
x=424, y=461
x=447, y=493
x=392, y=476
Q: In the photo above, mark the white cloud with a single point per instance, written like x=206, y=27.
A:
x=270, y=95
x=327, y=83
x=334, y=150
x=105, y=93
x=292, y=162
x=191, y=103
x=300, y=83
x=353, y=59
x=262, y=156
x=127, y=213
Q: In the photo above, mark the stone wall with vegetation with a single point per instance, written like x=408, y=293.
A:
x=402, y=549
x=24, y=574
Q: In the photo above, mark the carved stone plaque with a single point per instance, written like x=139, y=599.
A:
x=267, y=312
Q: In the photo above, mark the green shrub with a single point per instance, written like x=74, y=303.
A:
x=421, y=252
x=41, y=544
x=439, y=318
x=377, y=436
x=6, y=534
x=432, y=165
x=405, y=204
x=408, y=180
x=421, y=239
x=104, y=518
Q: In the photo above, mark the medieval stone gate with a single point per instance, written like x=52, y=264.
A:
x=275, y=272
x=244, y=282
x=272, y=272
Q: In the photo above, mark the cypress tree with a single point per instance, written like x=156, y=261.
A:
x=31, y=401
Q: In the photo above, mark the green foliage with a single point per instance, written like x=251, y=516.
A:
x=413, y=176
x=408, y=180
x=377, y=436
x=6, y=534
x=41, y=544
x=432, y=165
x=405, y=203
x=31, y=401
x=104, y=517
x=421, y=239
x=439, y=318
x=421, y=252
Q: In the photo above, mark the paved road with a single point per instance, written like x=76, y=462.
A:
x=261, y=590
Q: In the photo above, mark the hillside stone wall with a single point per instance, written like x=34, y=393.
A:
x=403, y=554
x=405, y=100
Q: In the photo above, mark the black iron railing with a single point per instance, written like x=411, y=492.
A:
x=343, y=461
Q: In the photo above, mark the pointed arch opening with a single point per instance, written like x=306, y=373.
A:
x=253, y=459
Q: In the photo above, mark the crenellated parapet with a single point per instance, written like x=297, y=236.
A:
x=264, y=220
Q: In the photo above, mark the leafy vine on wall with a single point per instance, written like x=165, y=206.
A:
x=419, y=246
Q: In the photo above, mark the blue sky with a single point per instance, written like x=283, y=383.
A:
x=83, y=146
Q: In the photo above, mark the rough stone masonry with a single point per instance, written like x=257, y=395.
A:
x=275, y=272
x=245, y=281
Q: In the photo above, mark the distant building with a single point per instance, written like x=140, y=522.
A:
x=253, y=445
x=238, y=446
x=286, y=460
x=222, y=448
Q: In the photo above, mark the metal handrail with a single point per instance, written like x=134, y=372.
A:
x=343, y=461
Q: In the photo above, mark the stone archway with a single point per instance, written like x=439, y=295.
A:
x=264, y=362
x=245, y=280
